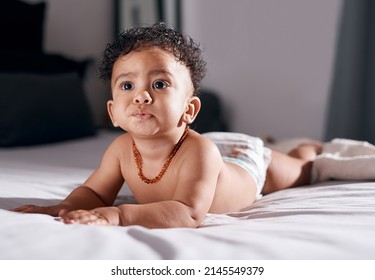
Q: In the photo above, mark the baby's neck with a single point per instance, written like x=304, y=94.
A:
x=140, y=162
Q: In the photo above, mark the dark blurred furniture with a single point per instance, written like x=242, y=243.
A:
x=41, y=94
x=211, y=115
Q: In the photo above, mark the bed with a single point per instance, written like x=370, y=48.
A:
x=327, y=220
x=49, y=145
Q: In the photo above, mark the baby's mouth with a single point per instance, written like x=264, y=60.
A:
x=142, y=115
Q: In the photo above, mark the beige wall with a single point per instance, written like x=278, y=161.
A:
x=271, y=60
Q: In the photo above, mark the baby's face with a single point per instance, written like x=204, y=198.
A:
x=151, y=92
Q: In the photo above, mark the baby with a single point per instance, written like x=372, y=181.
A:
x=176, y=175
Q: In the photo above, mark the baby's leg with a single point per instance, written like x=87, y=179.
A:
x=292, y=169
x=307, y=151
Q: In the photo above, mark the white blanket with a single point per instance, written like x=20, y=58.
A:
x=332, y=220
x=345, y=159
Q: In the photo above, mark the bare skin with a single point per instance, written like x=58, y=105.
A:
x=153, y=102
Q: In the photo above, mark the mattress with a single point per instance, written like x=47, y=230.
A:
x=327, y=220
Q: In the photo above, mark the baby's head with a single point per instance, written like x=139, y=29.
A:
x=183, y=48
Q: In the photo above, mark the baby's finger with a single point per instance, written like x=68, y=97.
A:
x=83, y=217
x=49, y=210
x=73, y=217
x=62, y=212
x=26, y=209
x=18, y=209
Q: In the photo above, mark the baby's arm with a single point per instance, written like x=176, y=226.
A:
x=197, y=179
x=99, y=190
x=81, y=198
x=163, y=214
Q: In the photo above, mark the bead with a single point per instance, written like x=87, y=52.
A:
x=139, y=162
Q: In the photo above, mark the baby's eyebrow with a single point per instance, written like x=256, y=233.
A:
x=122, y=76
x=151, y=73
x=160, y=71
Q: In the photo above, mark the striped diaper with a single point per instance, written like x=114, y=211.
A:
x=245, y=151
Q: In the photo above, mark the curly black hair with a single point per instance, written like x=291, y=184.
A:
x=183, y=48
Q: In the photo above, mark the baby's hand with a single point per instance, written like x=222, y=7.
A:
x=104, y=216
x=53, y=210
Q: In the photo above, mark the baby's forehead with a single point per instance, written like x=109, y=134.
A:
x=151, y=56
x=149, y=61
x=151, y=49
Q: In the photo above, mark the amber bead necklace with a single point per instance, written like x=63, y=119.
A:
x=139, y=162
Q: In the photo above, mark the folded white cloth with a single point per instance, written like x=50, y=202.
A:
x=344, y=159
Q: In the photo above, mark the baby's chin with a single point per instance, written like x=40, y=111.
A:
x=142, y=129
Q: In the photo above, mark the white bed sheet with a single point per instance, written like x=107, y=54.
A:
x=332, y=220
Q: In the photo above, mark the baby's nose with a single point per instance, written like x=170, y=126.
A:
x=142, y=98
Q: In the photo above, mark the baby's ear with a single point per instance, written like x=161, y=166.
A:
x=192, y=110
x=110, y=112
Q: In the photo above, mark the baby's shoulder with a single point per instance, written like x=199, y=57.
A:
x=199, y=155
x=121, y=142
x=122, y=138
x=201, y=145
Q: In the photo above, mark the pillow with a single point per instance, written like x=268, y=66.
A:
x=28, y=62
x=21, y=25
x=38, y=109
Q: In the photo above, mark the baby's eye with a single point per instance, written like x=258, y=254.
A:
x=127, y=86
x=160, y=84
